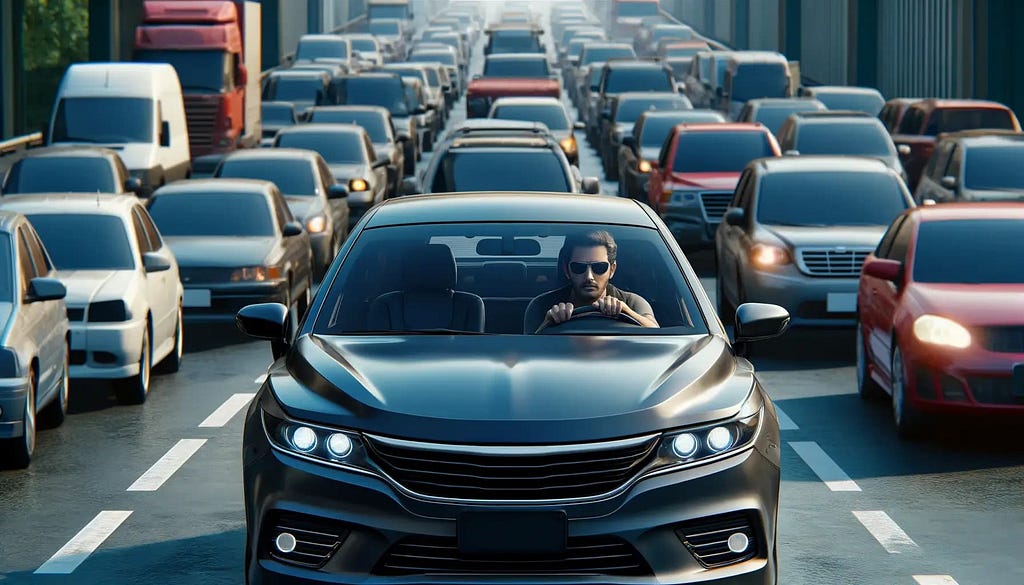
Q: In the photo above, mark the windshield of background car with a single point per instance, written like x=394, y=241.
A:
x=310, y=49
x=552, y=116
x=335, y=147
x=759, y=80
x=387, y=92
x=774, y=116
x=515, y=41
x=628, y=111
x=638, y=79
x=719, y=152
x=292, y=177
x=374, y=124
x=995, y=168
x=601, y=54
x=837, y=137
x=278, y=115
x=860, y=102
x=399, y=11
x=501, y=169
x=364, y=45
x=384, y=28
x=93, y=119
x=957, y=119
x=76, y=174
x=635, y=9
x=516, y=68
x=433, y=57
x=671, y=32
x=84, y=241
x=212, y=214
x=296, y=89
x=830, y=199
x=6, y=276
x=506, y=264
x=951, y=251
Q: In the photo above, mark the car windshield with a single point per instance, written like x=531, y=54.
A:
x=292, y=177
x=835, y=137
x=671, y=32
x=516, y=68
x=951, y=251
x=515, y=41
x=387, y=92
x=80, y=241
x=384, y=28
x=687, y=52
x=830, y=199
x=628, y=111
x=553, y=116
x=296, y=89
x=335, y=147
x=6, y=274
x=410, y=73
x=364, y=45
x=278, y=114
x=860, y=102
x=680, y=66
x=445, y=58
x=374, y=123
x=636, y=9
x=994, y=168
x=399, y=11
x=655, y=130
x=759, y=80
x=500, y=169
x=775, y=115
x=104, y=120
x=50, y=174
x=311, y=49
x=719, y=152
x=957, y=119
x=600, y=54
x=212, y=214
x=638, y=79
x=198, y=71
x=507, y=265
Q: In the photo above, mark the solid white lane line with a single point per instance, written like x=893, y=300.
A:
x=163, y=469
x=88, y=539
x=935, y=580
x=785, y=423
x=824, y=467
x=226, y=411
x=261, y=379
x=886, y=531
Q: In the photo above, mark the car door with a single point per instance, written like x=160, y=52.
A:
x=31, y=333
x=733, y=237
x=885, y=297
x=155, y=284
x=338, y=207
x=171, y=288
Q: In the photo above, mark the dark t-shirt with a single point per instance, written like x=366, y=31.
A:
x=542, y=304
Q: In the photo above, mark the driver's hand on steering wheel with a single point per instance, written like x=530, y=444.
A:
x=609, y=306
x=560, y=313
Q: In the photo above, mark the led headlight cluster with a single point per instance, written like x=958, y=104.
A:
x=699, y=443
x=328, y=445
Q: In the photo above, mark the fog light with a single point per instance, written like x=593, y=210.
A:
x=339, y=445
x=737, y=542
x=285, y=542
x=685, y=445
x=304, y=439
x=719, y=439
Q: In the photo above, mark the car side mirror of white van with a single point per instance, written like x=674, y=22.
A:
x=165, y=133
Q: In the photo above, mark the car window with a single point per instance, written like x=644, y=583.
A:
x=212, y=214
x=836, y=137
x=951, y=252
x=155, y=242
x=957, y=119
x=912, y=121
x=516, y=68
x=819, y=199
x=901, y=242
x=500, y=169
x=52, y=174
x=553, y=116
x=882, y=251
x=638, y=79
x=335, y=147
x=81, y=241
x=292, y=176
x=994, y=167
x=718, y=152
x=7, y=275
x=140, y=234
x=36, y=250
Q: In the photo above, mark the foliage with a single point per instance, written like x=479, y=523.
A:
x=56, y=33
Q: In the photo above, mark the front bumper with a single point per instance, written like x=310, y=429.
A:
x=13, y=392
x=105, y=350
x=812, y=301
x=226, y=299
x=973, y=381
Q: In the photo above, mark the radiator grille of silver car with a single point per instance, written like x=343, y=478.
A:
x=524, y=473
x=310, y=541
x=422, y=555
x=708, y=538
x=831, y=261
x=715, y=204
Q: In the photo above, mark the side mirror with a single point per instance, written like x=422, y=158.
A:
x=735, y=216
x=153, y=262
x=948, y=182
x=760, y=321
x=402, y=138
x=883, y=268
x=265, y=321
x=133, y=185
x=292, y=228
x=243, y=75
x=409, y=186
x=165, y=133
x=591, y=185
x=380, y=162
x=337, y=192
x=45, y=289
x=383, y=157
x=903, y=149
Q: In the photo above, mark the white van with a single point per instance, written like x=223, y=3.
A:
x=133, y=108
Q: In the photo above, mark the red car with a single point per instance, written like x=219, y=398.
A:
x=695, y=176
x=510, y=75
x=941, y=313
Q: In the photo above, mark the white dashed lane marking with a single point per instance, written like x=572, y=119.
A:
x=225, y=412
x=886, y=532
x=824, y=467
x=934, y=580
x=163, y=469
x=83, y=544
x=785, y=423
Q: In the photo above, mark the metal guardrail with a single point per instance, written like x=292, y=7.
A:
x=19, y=143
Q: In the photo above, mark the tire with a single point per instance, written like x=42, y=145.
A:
x=135, y=390
x=866, y=385
x=909, y=423
x=17, y=453
x=172, y=363
x=55, y=413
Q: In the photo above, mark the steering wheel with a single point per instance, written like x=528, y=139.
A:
x=588, y=312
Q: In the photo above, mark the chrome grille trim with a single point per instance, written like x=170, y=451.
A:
x=831, y=261
x=713, y=204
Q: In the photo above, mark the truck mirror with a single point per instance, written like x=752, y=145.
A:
x=165, y=133
x=243, y=75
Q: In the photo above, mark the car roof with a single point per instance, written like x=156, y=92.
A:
x=504, y=207
x=331, y=128
x=8, y=220
x=628, y=63
x=982, y=137
x=529, y=101
x=71, y=151
x=822, y=164
x=724, y=127
x=517, y=57
x=271, y=154
x=986, y=210
x=650, y=95
x=79, y=203
x=288, y=73
x=501, y=142
x=608, y=45
x=265, y=188
x=847, y=89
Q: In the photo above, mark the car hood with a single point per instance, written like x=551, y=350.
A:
x=302, y=206
x=508, y=86
x=85, y=286
x=992, y=195
x=528, y=389
x=217, y=251
x=972, y=304
x=829, y=237
x=345, y=172
x=709, y=181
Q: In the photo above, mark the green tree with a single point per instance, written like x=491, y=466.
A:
x=56, y=33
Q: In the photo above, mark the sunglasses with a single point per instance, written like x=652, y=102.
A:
x=581, y=267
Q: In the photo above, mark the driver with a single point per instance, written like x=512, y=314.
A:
x=588, y=261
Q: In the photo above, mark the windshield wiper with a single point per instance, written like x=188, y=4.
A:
x=437, y=331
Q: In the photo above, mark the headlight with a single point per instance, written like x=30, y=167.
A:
x=766, y=255
x=692, y=445
x=358, y=185
x=643, y=166
x=316, y=224
x=256, y=274
x=330, y=446
x=568, y=145
x=108, y=312
x=941, y=331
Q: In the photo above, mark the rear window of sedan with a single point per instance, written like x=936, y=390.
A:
x=957, y=119
x=335, y=147
x=553, y=116
x=292, y=177
x=212, y=214
x=836, y=137
x=76, y=174
x=501, y=169
x=994, y=168
x=952, y=252
x=819, y=199
x=719, y=152
x=601, y=54
x=516, y=68
x=80, y=241
x=638, y=79
x=628, y=111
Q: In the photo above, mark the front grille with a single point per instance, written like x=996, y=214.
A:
x=315, y=539
x=543, y=473
x=714, y=205
x=76, y=313
x=831, y=261
x=996, y=391
x=201, y=119
x=708, y=538
x=600, y=555
x=199, y=275
x=1009, y=339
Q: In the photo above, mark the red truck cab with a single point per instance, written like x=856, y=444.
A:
x=510, y=75
x=696, y=173
x=214, y=45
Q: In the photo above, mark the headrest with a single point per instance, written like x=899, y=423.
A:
x=429, y=267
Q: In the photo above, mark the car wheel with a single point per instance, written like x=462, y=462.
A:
x=907, y=418
x=135, y=390
x=54, y=414
x=17, y=453
x=172, y=363
x=866, y=385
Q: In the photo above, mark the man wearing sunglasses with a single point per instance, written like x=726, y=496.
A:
x=588, y=261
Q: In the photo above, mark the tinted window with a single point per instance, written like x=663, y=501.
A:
x=773, y=116
x=56, y=175
x=516, y=68
x=630, y=110
x=655, y=130
x=835, y=137
x=634, y=9
x=375, y=124
x=278, y=114
x=601, y=54
x=6, y=274
x=198, y=71
x=335, y=147
x=860, y=102
x=551, y=116
x=638, y=79
x=292, y=177
x=829, y=198
x=384, y=28
x=367, y=45
x=431, y=57
x=387, y=92
x=952, y=252
x=759, y=80
x=310, y=49
x=212, y=214
x=85, y=242
x=995, y=168
x=291, y=89
x=957, y=119
x=500, y=170
x=719, y=152
x=676, y=32
x=399, y=11
x=104, y=120
x=514, y=41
